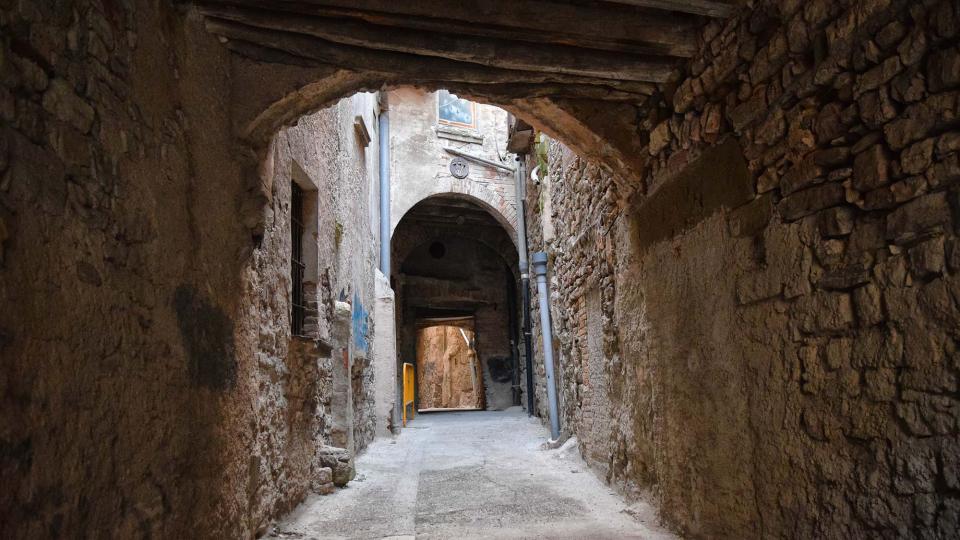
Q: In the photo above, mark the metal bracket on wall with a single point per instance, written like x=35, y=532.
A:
x=479, y=159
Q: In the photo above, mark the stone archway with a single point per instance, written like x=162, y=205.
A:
x=586, y=78
x=502, y=210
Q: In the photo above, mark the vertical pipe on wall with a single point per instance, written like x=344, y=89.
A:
x=384, y=125
x=521, y=177
x=540, y=269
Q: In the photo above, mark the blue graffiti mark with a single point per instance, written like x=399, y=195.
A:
x=361, y=324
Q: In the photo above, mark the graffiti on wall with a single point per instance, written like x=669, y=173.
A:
x=361, y=324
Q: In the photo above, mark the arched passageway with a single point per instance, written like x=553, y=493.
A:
x=754, y=244
x=454, y=266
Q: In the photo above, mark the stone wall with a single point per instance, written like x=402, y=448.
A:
x=764, y=334
x=420, y=167
x=149, y=384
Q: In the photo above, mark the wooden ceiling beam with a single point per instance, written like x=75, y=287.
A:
x=411, y=69
x=613, y=27
x=706, y=8
x=563, y=59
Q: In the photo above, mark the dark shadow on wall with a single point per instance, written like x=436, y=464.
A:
x=207, y=334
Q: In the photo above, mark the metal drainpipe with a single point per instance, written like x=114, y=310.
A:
x=384, y=190
x=540, y=268
x=521, y=177
x=383, y=123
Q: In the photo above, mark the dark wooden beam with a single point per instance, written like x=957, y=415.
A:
x=707, y=8
x=611, y=23
x=412, y=68
x=647, y=35
x=489, y=52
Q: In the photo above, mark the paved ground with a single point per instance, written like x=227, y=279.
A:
x=471, y=475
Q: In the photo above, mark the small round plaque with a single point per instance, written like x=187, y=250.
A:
x=459, y=167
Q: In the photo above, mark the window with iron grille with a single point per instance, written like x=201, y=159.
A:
x=297, y=265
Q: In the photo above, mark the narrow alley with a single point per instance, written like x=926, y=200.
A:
x=471, y=475
x=492, y=269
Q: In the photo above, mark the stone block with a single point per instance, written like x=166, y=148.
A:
x=953, y=254
x=828, y=125
x=915, y=471
x=944, y=172
x=824, y=312
x=878, y=75
x=917, y=217
x=802, y=175
x=890, y=35
x=917, y=157
x=908, y=188
x=811, y=372
x=876, y=347
x=659, y=138
x=832, y=157
x=927, y=258
x=339, y=461
x=936, y=302
x=929, y=379
x=808, y=201
x=838, y=353
x=908, y=87
x=839, y=175
x=836, y=222
x=876, y=108
x=685, y=95
x=324, y=475
x=830, y=252
x=948, y=143
x=909, y=414
x=846, y=277
x=767, y=181
x=912, y=49
x=880, y=384
x=868, y=304
x=769, y=59
x=943, y=69
x=60, y=101
x=871, y=168
x=914, y=124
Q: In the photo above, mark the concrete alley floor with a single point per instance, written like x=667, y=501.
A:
x=471, y=475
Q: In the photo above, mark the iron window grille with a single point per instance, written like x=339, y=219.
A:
x=297, y=265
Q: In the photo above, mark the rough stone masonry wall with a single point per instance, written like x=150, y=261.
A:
x=767, y=339
x=142, y=329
